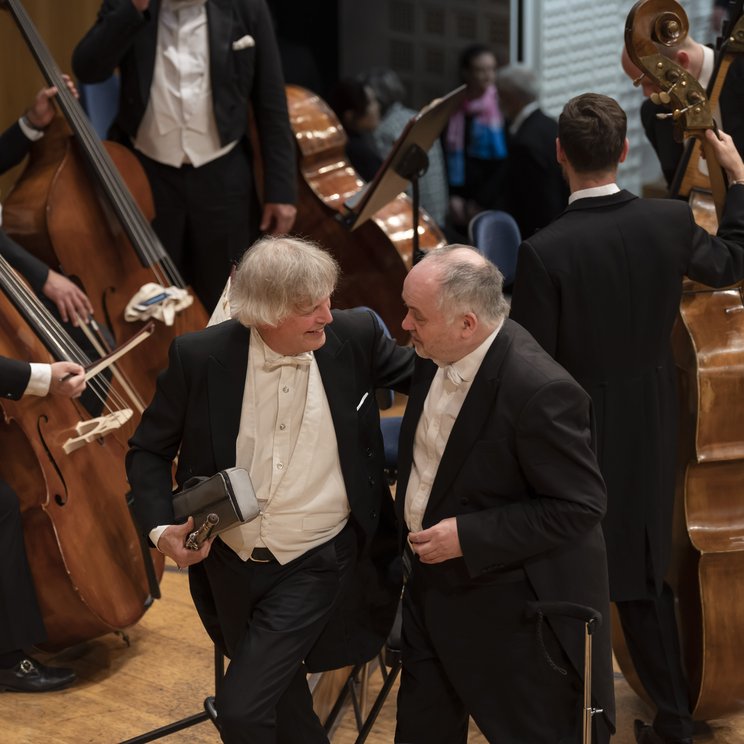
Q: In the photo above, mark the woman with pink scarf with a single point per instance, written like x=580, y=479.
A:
x=475, y=142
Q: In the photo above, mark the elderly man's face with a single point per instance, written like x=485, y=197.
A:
x=434, y=335
x=303, y=330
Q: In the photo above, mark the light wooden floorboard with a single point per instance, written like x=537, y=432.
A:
x=167, y=671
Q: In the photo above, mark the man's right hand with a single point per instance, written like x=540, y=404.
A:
x=727, y=155
x=68, y=380
x=171, y=543
x=141, y=5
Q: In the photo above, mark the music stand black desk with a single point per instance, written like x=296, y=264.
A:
x=406, y=163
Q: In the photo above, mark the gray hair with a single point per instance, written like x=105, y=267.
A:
x=468, y=285
x=519, y=81
x=279, y=275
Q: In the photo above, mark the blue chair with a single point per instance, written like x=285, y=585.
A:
x=496, y=235
x=101, y=102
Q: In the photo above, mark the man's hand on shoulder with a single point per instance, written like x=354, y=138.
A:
x=437, y=544
x=171, y=543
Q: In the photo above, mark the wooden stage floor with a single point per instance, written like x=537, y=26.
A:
x=166, y=672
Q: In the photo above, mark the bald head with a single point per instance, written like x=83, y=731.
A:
x=455, y=301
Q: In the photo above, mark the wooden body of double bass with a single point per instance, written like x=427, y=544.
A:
x=707, y=568
x=83, y=548
x=708, y=552
x=57, y=212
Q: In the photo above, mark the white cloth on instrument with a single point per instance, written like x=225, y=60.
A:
x=171, y=300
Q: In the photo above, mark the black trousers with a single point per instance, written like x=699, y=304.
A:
x=206, y=217
x=472, y=651
x=650, y=629
x=270, y=615
x=21, y=624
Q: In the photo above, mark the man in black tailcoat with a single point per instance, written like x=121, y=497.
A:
x=600, y=289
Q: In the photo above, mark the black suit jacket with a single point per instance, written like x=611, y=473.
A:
x=197, y=407
x=600, y=289
x=520, y=475
x=536, y=192
x=249, y=78
x=14, y=377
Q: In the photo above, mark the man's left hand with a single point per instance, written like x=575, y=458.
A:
x=277, y=219
x=41, y=112
x=71, y=301
x=437, y=544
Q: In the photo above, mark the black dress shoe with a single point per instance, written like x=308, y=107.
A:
x=29, y=675
x=645, y=734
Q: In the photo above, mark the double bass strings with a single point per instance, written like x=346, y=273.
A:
x=56, y=339
x=144, y=240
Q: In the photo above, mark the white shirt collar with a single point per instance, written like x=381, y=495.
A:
x=606, y=190
x=467, y=367
x=706, y=71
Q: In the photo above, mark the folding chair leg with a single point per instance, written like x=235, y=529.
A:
x=390, y=678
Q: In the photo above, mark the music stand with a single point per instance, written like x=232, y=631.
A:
x=406, y=162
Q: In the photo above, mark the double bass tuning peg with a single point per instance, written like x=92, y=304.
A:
x=661, y=98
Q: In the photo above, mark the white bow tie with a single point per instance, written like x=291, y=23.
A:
x=298, y=360
x=453, y=375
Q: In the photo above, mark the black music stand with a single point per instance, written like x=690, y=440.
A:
x=406, y=162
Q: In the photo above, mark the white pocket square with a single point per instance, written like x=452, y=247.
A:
x=243, y=43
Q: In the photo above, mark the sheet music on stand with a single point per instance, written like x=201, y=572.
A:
x=406, y=161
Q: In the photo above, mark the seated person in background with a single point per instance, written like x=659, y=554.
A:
x=356, y=107
x=21, y=624
x=390, y=93
x=474, y=142
x=535, y=191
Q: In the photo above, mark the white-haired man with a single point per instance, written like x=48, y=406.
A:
x=535, y=191
x=286, y=390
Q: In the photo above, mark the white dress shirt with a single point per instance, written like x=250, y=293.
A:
x=287, y=442
x=447, y=393
x=40, y=380
x=179, y=125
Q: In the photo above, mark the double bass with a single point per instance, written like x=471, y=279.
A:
x=83, y=548
x=75, y=207
x=707, y=571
